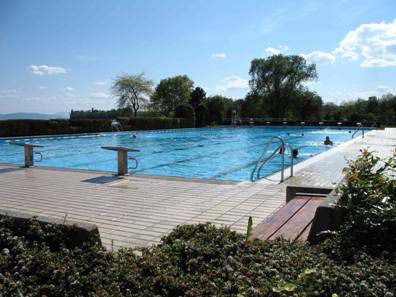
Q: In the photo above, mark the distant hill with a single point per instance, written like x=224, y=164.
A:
x=34, y=116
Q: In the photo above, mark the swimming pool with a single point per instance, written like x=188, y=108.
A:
x=208, y=153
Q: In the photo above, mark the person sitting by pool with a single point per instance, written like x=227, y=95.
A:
x=327, y=141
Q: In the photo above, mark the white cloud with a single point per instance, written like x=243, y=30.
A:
x=343, y=96
x=383, y=90
x=284, y=48
x=319, y=57
x=8, y=91
x=101, y=83
x=43, y=88
x=272, y=51
x=46, y=70
x=233, y=82
x=99, y=95
x=374, y=43
x=219, y=55
x=70, y=89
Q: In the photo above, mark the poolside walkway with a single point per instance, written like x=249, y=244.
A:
x=138, y=211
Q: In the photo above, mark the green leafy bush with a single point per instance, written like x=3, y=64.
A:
x=369, y=198
x=193, y=260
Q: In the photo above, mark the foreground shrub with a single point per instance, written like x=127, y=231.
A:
x=193, y=260
x=369, y=200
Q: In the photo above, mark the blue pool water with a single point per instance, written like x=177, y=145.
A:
x=209, y=153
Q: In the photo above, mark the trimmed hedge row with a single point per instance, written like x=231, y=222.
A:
x=193, y=260
x=12, y=128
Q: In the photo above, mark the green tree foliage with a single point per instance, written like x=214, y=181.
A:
x=308, y=105
x=185, y=111
x=171, y=92
x=132, y=91
x=198, y=97
x=373, y=110
x=277, y=79
x=201, y=116
x=216, y=109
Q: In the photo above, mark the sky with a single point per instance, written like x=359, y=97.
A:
x=61, y=55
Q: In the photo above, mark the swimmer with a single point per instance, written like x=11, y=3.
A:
x=134, y=135
x=327, y=141
x=295, y=153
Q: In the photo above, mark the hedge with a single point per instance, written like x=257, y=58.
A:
x=12, y=128
x=193, y=260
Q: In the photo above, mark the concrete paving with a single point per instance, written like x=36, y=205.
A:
x=138, y=211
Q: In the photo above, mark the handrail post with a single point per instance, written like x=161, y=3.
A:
x=28, y=152
x=122, y=162
x=283, y=162
x=291, y=161
x=122, y=157
x=28, y=149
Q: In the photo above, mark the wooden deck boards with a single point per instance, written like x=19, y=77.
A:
x=292, y=221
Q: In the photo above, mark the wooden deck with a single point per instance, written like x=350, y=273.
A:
x=292, y=221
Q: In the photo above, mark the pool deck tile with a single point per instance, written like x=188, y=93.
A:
x=138, y=211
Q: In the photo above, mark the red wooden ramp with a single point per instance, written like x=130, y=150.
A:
x=292, y=221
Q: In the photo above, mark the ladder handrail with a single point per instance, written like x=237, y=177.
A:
x=269, y=142
x=261, y=161
x=360, y=128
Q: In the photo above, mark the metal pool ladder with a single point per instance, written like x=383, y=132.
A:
x=255, y=175
x=360, y=128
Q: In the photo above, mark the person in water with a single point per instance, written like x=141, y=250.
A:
x=134, y=135
x=327, y=141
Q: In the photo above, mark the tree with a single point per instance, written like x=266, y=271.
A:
x=308, y=105
x=277, y=78
x=132, y=91
x=198, y=96
x=171, y=92
x=216, y=107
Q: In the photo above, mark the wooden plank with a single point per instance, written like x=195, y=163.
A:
x=297, y=224
x=266, y=228
x=304, y=235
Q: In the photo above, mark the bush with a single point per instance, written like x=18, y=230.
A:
x=369, y=200
x=193, y=260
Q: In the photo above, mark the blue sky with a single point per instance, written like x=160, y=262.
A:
x=62, y=55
